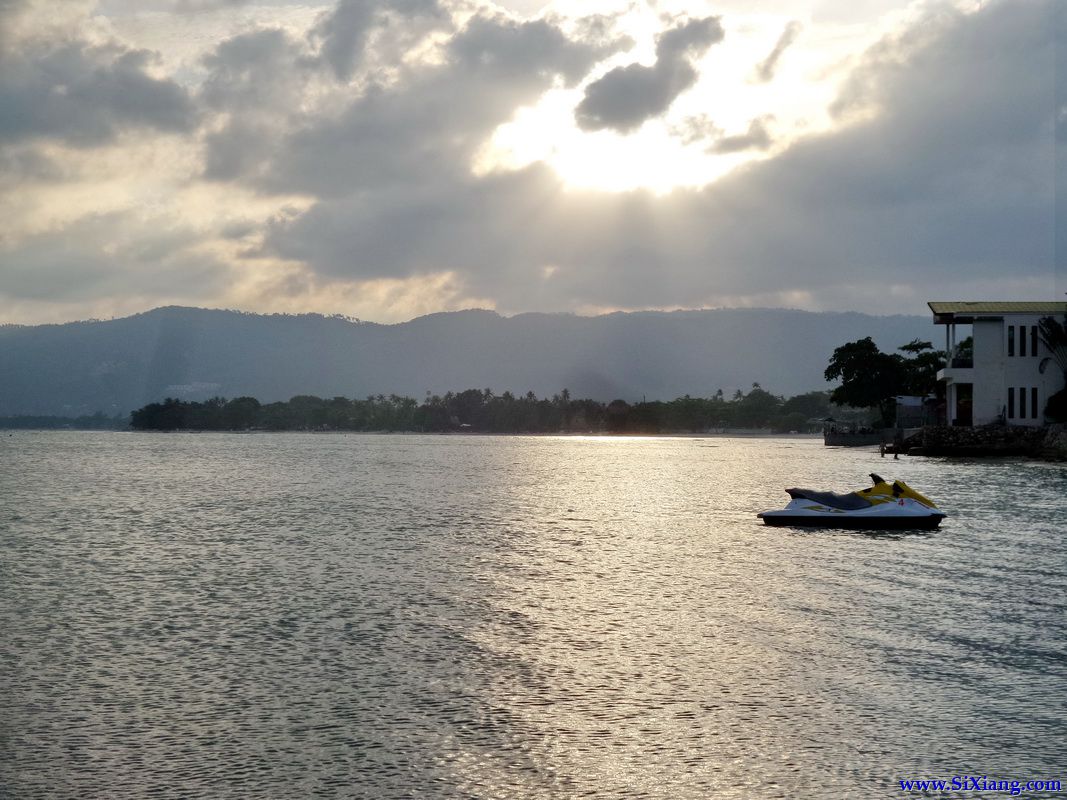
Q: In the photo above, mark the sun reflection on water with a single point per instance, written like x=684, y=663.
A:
x=488, y=616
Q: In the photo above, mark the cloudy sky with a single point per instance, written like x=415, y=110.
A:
x=389, y=158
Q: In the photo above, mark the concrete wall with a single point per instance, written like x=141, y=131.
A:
x=995, y=372
x=1022, y=371
x=989, y=395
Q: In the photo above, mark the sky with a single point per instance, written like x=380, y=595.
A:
x=384, y=159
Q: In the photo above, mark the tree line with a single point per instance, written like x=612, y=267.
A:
x=483, y=411
x=870, y=381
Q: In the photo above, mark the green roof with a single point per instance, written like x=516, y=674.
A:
x=998, y=307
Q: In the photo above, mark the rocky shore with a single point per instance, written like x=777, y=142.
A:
x=1048, y=443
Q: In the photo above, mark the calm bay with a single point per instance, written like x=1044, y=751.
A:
x=327, y=615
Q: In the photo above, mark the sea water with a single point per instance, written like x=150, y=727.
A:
x=301, y=615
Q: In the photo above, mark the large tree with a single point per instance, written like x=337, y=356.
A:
x=920, y=369
x=869, y=378
x=873, y=379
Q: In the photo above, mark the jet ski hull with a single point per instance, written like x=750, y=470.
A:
x=783, y=519
x=884, y=506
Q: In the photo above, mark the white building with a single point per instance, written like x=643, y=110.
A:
x=1012, y=373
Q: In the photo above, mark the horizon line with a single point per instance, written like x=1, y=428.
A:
x=472, y=309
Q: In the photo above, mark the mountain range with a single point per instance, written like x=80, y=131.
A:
x=115, y=366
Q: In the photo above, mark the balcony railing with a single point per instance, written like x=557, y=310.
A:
x=962, y=363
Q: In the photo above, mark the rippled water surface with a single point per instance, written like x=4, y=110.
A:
x=287, y=616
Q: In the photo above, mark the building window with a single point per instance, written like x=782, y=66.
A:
x=1022, y=402
x=1022, y=341
x=1033, y=341
x=1011, y=401
x=1011, y=340
x=1033, y=402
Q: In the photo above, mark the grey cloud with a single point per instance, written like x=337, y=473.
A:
x=238, y=230
x=251, y=71
x=85, y=95
x=696, y=129
x=238, y=150
x=194, y=6
x=256, y=80
x=626, y=97
x=529, y=53
x=702, y=128
x=430, y=121
x=690, y=39
x=984, y=83
x=20, y=165
x=765, y=69
x=757, y=137
x=109, y=255
x=343, y=32
x=9, y=10
x=601, y=29
x=947, y=184
x=470, y=225
x=1059, y=212
x=427, y=127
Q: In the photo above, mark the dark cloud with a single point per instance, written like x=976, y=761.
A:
x=943, y=182
x=84, y=95
x=626, y=97
x=765, y=69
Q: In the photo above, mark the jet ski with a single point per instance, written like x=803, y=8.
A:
x=883, y=506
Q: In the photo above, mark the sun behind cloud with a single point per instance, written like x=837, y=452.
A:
x=737, y=110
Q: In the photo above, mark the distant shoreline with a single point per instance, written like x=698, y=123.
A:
x=725, y=434
x=480, y=411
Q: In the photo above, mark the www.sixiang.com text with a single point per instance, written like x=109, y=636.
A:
x=973, y=783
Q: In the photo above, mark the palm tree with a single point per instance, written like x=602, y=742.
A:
x=1054, y=336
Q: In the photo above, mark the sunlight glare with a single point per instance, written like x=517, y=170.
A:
x=704, y=135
